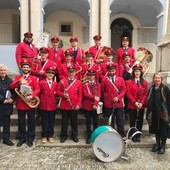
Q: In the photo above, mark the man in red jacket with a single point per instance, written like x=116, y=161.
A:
x=48, y=105
x=70, y=91
x=125, y=49
x=23, y=109
x=25, y=49
x=96, y=49
x=91, y=96
x=78, y=53
x=39, y=66
x=56, y=54
x=113, y=90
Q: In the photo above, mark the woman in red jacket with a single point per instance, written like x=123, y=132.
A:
x=137, y=90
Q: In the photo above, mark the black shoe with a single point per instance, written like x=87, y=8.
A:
x=134, y=139
x=88, y=140
x=75, y=139
x=20, y=143
x=138, y=139
x=8, y=142
x=63, y=139
x=161, y=150
x=30, y=144
x=155, y=148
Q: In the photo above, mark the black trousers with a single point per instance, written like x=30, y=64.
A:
x=118, y=116
x=6, y=127
x=47, y=119
x=66, y=114
x=91, y=116
x=28, y=135
x=136, y=118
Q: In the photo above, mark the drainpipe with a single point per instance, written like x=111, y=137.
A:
x=29, y=15
x=99, y=17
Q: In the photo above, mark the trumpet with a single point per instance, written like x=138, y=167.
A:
x=33, y=103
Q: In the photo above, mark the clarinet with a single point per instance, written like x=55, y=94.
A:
x=65, y=92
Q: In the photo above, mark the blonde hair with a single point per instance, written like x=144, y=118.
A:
x=160, y=75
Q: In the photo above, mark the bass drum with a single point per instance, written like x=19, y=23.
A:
x=107, y=144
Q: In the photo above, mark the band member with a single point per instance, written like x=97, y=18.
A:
x=109, y=61
x=124, y=72
x=7, y=98
x=89, y=65
x=91, y=98
x=56, y=54
x=63, y=72
x=23, y=108
x=95, y=50
x=70, y=91
x=158, y=111
x=113, y=89
x=48, y=105
x=39, y=65
x=124, y=69
x=137, y=91
x=125, y=49
x=25, y=49
x=78, y=53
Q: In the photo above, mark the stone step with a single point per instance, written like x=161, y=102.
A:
x=146, y=142
x=81, y=130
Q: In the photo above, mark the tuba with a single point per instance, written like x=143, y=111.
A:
x=100, y=56
x=143, y=57
x=33, y=103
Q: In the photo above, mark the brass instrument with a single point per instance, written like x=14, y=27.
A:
x=33, y=103
x=143, y=57
x=100, y=56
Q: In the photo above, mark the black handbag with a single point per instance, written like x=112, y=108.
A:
x=168, y=132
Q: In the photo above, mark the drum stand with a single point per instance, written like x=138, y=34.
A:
x=127, y=141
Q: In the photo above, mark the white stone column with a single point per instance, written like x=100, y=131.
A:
x=36, y=19
x=94, y=20
x=105, y=22
x=24, y=17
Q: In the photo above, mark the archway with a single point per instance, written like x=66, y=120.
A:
x=120, y=27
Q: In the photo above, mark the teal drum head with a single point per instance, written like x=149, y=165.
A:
x=98, y=131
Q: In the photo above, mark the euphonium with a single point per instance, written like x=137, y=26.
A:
x=33, y=103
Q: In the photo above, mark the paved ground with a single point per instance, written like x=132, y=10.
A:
x=77, y=158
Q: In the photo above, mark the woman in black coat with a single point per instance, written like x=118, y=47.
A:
x=158, y=112
x=7, y=97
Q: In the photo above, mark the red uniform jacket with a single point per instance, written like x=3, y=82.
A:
x=57, y=56
x=123, y=69
x=93, y=67
x=103, y=69
x=109, y=92
x=47, y=95
x=23, y=50
x=95, y=51
x=75, y=93
x=89, y=92
x=37, y=67
x=63, y=71
x=79, y=57
x=32, y=82
x=135, y=93
x=120, y=53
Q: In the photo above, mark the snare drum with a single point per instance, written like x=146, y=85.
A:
x=107, y=144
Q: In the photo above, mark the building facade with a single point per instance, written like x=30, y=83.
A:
x=147, y=23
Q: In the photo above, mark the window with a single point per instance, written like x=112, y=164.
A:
x=66, y=29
